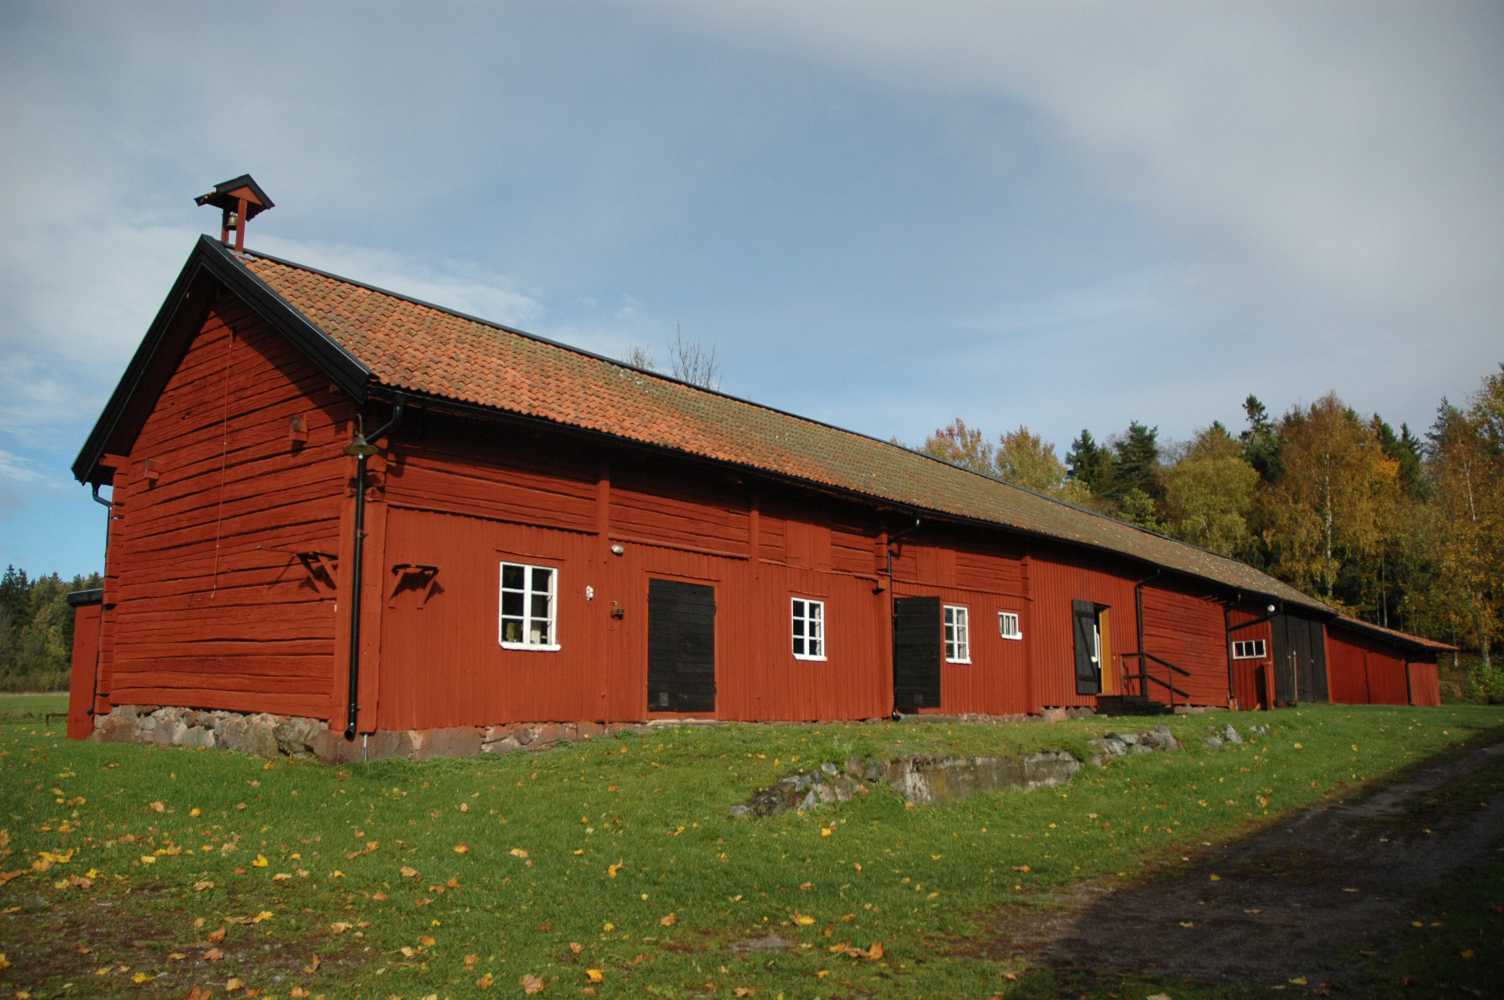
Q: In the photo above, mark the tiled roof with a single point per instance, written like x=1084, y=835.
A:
x=422, y=348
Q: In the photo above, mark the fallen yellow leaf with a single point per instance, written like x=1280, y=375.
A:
x=260, y=861
x=669, y=920
x=518, y=852
x=461, y=848
x=595, y=975
x=409, y=872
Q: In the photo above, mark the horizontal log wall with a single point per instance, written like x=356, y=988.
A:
x=208, y=602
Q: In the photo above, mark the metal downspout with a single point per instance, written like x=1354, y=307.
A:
x=361, y=448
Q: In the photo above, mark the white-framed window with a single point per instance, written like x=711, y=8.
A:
x=527, y=607
x=1007, y=625
x=808, y=629
x=1248, y=649
x=957, y=635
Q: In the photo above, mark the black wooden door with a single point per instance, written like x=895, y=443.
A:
x=1299, y=660
x=916, y=653
x=1313, y=677
x=681, y=647
x=1088, y=670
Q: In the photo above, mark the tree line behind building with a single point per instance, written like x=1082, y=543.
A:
x=1399, y=529
x=36, y=629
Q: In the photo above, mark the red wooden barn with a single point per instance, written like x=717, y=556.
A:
x=337, y=502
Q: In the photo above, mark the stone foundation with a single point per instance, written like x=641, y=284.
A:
x=267, y=735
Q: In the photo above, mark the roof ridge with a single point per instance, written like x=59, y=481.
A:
x=549, y=341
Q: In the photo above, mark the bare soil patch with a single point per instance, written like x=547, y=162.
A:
x=1305, y=898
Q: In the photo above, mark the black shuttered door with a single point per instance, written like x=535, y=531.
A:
x=681, y=647
x=916, y=653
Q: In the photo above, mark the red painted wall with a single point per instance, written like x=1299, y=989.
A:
x=1252, y=679
x=207, y=604
x=1425, y=684
x=81, y=682
x=1365, y=670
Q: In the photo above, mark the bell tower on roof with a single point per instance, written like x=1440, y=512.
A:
x=240, y=199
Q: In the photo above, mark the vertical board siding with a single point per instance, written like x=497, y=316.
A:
x=85, y=661
x=1365, y=671
x=1425, y=684
x=441, y=662
x=1189, y=631
x=207, y=602
x=1057, y=577
x=1253, y=680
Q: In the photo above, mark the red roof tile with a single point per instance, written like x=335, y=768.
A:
x=414, y=346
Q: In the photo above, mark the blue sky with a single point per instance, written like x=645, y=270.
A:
x=882, y=215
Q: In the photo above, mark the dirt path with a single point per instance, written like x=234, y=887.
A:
x=1296, y=900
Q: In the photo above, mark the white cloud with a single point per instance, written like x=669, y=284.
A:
x=1354, y=148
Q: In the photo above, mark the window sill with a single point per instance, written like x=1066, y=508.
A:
x=814, y=659
x=962, y=663
x=1015, y=638
x=531, y=647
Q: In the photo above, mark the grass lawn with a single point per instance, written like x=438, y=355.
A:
x=611, y=866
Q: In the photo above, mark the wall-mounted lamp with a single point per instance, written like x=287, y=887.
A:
x=618, y=549
x=589, y=593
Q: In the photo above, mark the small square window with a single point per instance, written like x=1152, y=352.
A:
x=1007, y=625
x=1248, y=649
x=527, y=607
x=957, y=635
x=808, y=629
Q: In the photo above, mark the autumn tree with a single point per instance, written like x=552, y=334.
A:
x=1030, y=461
x=961, y=445
x=1332, y=500
x=1210, y=492
x=1465, y=519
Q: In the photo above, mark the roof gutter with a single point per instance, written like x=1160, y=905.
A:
x=361, y=448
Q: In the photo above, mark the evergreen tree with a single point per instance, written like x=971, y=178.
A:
x=1089, y=464
x=1135, y=462
x=1261, y=440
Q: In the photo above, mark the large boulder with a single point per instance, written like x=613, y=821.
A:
x=295, y=736
x=261, y=734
